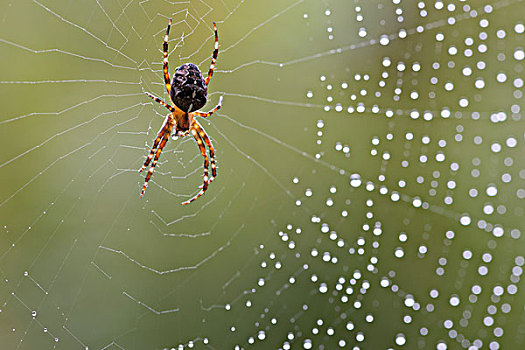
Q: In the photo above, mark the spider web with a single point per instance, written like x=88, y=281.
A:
x=370, y=176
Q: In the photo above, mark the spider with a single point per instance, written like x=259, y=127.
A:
x=188, y=91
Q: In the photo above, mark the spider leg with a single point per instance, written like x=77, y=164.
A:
x=205, y=115
x=158, y=100
x=207, y=141
x=160, y=142
x=165, y=65
x=214, y=58
x=200, y=143
x=155, y=144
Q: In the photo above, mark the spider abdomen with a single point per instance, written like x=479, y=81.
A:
x=188, y=90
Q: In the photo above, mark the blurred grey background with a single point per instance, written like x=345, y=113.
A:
x=369, y=191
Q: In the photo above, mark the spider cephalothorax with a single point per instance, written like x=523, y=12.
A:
x=188, y=91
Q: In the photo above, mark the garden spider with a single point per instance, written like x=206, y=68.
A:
x=188, y=91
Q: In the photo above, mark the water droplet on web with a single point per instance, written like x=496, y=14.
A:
x=400, y=339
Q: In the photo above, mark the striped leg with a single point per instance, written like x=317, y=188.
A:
x=155, y=144
x=158, y=100
x=205, y=115
x=214, y=58
x=165, y=65
x=158, y=145
x=200, y=143
x=207, y=141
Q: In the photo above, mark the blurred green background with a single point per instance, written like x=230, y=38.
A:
x=369, y=192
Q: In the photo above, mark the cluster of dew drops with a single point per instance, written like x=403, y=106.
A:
x=479, y=83
x=356, y=282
